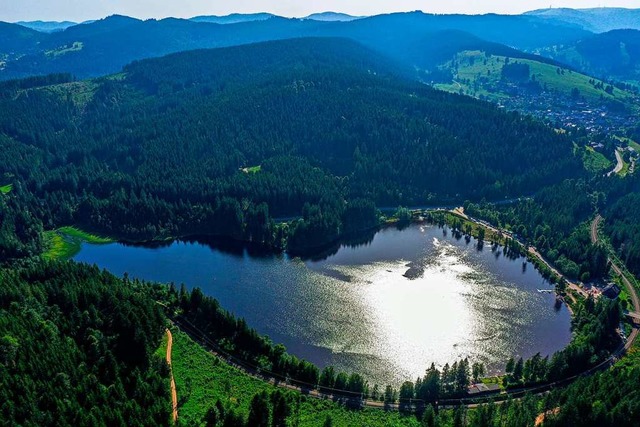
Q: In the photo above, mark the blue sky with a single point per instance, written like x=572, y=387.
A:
x=80, y=10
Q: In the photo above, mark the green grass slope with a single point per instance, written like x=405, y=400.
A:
x=202, y=379
x=475, y=72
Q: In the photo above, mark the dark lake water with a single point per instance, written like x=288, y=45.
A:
x=386, y=309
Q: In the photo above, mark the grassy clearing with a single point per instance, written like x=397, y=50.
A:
x=625, y=168
x=65, y=242
x=75, y=47
x=594, y=161
x=492, y=380
x=6, y=189
x=473, y=66
x=629, y=142
x=84, y=236
x=202, y=379
x=162, y=350
x=81, y=92
x=161, y=353
x=252, y=169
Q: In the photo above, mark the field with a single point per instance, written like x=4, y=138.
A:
x=252, y=169
x=75, y=47
x=202, y=379
x=65, y=242
x=6, y=189
x=473, y=67
x=595, y=162
x=629, y=142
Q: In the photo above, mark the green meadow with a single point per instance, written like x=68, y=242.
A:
x=65, y=242
x=202, y=379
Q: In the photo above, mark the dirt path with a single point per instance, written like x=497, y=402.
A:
x=174, y=394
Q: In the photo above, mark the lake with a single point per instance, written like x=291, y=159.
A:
x=386, y=308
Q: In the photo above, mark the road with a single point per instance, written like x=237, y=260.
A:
x=572, y=285
x=359, y=401
x=531, y=250
x=630, y=288
x=619, y=165
x=174, y=394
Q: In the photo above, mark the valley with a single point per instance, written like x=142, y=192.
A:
x=404, y=219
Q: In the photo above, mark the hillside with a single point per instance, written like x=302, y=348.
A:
x=597, y=20
x=47, y=26
x=328, y=123
x=486, y=75
x=76, y=347
x=17, y=40
x=332, y=17
x=233, y=18
x=105, y=46
x=615, y=55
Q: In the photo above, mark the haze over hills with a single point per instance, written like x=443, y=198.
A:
x=597, y=20
x=107, y=45
x=233, y=18
x=332, y=17
x=47, y=26
x=613, y=54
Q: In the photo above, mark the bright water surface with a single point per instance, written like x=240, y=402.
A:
x=386, y=309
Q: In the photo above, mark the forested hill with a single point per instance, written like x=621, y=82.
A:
x=105, y=46
x=615, y=54
x=217, y=142
x=77, y=347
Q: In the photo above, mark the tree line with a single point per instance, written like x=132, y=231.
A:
x=76, y=348
x=172, y=148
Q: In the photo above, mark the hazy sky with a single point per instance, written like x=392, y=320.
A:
x=80, y=10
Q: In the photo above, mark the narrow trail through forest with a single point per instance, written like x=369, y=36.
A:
x=174, y=394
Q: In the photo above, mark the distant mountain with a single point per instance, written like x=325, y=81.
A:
x=598, y=20
x=234, y=18
x=17, y=40
x=614, y=54
x=414, y=38
x=332, y=17
x=47, y=26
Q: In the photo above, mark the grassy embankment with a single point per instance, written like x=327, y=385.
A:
x=202, y=379
x=595, y=162
x=65, y=242
x=479, y=75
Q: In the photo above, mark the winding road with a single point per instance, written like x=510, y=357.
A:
x=619, y=165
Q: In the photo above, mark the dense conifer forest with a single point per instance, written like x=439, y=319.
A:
x=77, y=349
x=227, y=142
x=220, y=142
